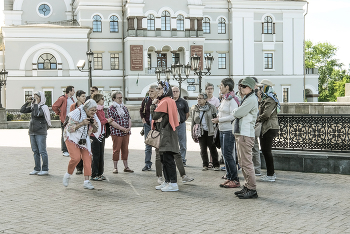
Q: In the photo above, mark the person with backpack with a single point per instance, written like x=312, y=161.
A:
x=203, y=130
x=62, y=108
x=145, y=114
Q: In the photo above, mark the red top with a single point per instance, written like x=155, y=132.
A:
x=60, y=107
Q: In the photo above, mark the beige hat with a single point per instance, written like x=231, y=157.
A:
x=265, y=82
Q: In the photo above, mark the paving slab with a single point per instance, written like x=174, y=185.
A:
x=128, y=203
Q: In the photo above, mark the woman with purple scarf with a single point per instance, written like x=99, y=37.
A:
x=229, y=102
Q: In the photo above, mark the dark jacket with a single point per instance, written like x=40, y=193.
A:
x=38, y=124
x=145, y=110
x=268, y=115
x=168, y=137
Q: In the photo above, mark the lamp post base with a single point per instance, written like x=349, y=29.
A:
x=3, y=118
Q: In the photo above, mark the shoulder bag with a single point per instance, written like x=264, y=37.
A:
x=197, y=130
x=153, y=138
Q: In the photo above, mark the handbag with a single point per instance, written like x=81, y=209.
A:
x=108, y=130
x=153, y=138
x=197, y=130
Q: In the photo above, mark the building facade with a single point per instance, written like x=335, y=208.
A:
x=43, y=40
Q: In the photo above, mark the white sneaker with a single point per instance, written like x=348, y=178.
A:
x=66, y=178
x=34, y=172
x=186, y=179
x=88, y=185
x=43, y=173
x=268, y=178
x=159, y=187
x=65, y=154
x=170, y=188
x=160, y=180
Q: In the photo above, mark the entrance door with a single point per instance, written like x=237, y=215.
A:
x=161, y=61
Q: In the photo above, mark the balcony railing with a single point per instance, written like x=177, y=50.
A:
x=60, y=23
x=313, y=132
x=311, y=71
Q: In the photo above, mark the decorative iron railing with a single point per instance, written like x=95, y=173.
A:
x=313, y=132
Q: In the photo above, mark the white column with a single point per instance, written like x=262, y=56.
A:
x=144, y=23
x=298, y=45
x=173, y=23
x=145, y=63
x=288, y=38
x=157, y=22
x=237, y=43
x=249, y=44
x=187, y=56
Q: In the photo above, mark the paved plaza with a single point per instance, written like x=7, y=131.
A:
x=128, y=203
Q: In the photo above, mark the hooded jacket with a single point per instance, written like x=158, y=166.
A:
x=60, y=107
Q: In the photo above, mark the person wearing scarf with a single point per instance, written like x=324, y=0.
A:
x=82, y=122
x=206, y=139
x=98, y=143
x=38, y=126
x=120, y=130
x=81, y=97
x=165, y=120
x=243, y=128
x=229, y=103
x=269, y=107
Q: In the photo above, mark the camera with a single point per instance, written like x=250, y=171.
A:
x=91, y=120
x=214, y=115
x=82, y=142
x=142, y=133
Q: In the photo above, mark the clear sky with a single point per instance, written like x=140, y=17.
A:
x=329, y=21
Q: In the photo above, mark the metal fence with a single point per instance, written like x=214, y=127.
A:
x=313, y=132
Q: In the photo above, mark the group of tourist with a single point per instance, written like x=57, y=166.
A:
x=229, y=122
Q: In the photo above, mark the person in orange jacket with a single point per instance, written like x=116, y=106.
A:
x=62, y=108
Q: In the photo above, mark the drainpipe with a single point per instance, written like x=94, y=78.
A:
x=123, y=49
x=307, y=9
x=229, y=38
x=72, y=11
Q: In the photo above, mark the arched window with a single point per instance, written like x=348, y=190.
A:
x=222, y=26
x=165, y=21
x=180, y=23
x=47, y=62
x=113, y=24
x=150, y=22
x=268, y=26
x=97, y=24
x=206, y=25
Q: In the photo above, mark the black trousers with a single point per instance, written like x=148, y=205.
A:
x=169, y=167
x=266, y=149
x=98, y=150
x=63, y=144
x=80, y=165
x=205, y=142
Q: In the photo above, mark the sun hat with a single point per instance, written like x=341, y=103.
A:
x=249, y=81
x=265, y=82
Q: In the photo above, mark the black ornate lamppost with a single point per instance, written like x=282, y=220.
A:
x=81, y=65
x=167, y=74
x=3, y=79
x=195, y=61
x=176, y=69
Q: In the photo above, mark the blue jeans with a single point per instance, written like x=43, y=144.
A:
x=227, y=141
x=38, y=143
x=148, y=148
x=181, y=133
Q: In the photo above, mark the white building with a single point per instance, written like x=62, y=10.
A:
x=43, y=40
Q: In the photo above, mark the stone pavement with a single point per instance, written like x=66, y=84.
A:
x=128, y=203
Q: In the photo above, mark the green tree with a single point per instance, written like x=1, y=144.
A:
x=332, y=77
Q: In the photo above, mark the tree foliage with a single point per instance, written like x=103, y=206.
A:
x=332, y=79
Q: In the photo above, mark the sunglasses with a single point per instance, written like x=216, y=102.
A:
x=92, y=90
x=243, y=86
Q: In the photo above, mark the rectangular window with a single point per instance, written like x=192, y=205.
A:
x=27, y=94
x=97, y=61
x=268, y=61
x=206, y=27
x=114, y=61
x=176, y=58
x=285, y=94
x=222, y=61
x=48, y=96
x=149, y=61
